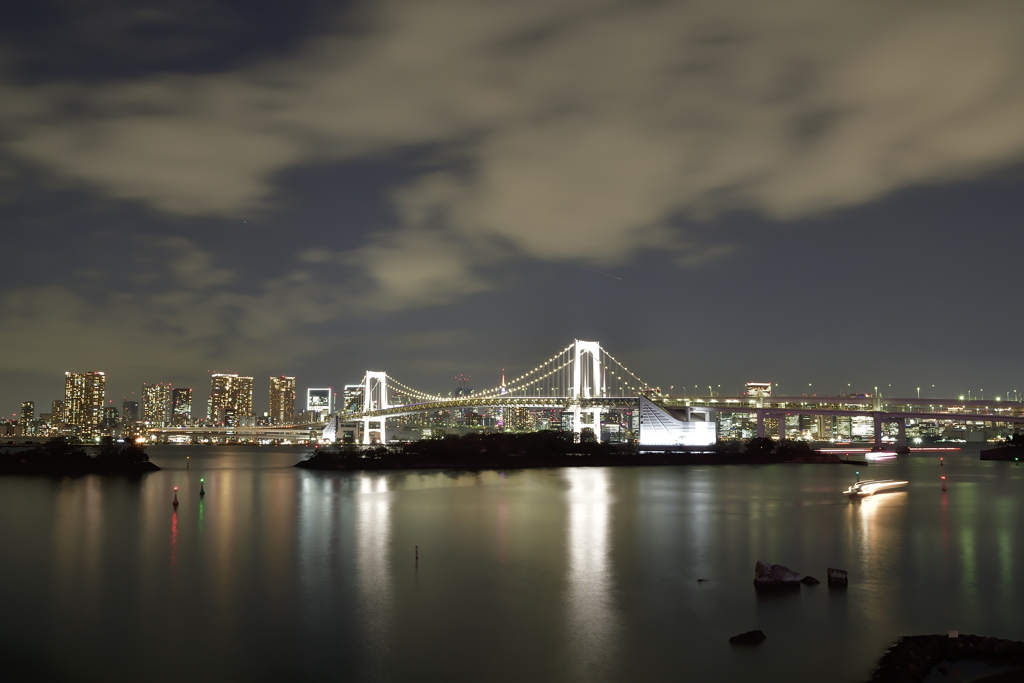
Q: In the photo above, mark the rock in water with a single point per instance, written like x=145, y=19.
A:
x=774, y=575
x=748, y=638
x=809, y=580
x=836, y=577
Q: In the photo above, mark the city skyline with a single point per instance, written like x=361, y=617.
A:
x=159, y=407
x=824, y=196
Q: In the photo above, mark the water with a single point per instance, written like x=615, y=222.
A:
x=586, y=574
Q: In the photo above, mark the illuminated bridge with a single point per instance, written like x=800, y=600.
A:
x=586, y=382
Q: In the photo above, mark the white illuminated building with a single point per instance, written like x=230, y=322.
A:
x=693, y=426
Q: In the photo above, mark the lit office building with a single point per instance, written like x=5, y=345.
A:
x=28, y=418
x=230, y=400
x=518, y=419
x=758, y=389
x=282, y=400
x=318, y=403
x=156, y=404
x=83, y=402
x=181, y=407
x=57, y=412
x=352, y=398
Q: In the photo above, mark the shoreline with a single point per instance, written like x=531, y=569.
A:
x=60, y=458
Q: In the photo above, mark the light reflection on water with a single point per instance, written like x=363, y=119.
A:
x=373, y=569
x=542, y=575
x=592, y=619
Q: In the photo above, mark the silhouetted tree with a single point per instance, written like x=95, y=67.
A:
x=760, y=446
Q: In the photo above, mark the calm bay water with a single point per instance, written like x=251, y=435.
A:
x=586, y=574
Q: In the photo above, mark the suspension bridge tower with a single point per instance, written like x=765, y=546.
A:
x=587, y=382
x=375, y=397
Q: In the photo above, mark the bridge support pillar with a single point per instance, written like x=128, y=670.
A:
x=901, y=440
x=373, y=427
x=878, y=428
x=782, y=427
x=577, y=422
x=760, y=423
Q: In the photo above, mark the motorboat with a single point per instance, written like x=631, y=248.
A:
x=881, y=455
x=862, y=489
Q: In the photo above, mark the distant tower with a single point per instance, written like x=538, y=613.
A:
x=501, y=411
x=282, y=400
x=83, y=402
x=463, y=388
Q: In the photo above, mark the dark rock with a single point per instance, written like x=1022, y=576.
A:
x=774, y=575
x=748, y=638
x=837, y=577
x=809, y=580
x=912, y=658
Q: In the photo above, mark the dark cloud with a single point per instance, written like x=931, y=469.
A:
x=49, y=40
x=568, y=135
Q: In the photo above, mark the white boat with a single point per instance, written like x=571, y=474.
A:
x=862, y=489
x=880, y=455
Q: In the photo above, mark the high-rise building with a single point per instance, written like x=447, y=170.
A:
x=57, y=411
x=156, y=404
x=352, y=398
x=282, y=400
x=110, y=419
x=230, y=400
x=28, y=418
x=83, y=402
x=181, y=407
x=129, y=411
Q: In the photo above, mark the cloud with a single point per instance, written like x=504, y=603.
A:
x=571, y=130
x=187, y=311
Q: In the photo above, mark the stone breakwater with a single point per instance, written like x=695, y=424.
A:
x=911, y=658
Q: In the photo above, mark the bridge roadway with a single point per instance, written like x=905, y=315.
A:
x=987, y=411
x=880, y=409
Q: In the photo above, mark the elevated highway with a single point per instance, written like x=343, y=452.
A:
x=880, y=410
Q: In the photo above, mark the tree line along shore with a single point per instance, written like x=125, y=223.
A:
x=61, y=457
x=549, y=449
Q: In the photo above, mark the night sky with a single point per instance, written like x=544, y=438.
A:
x=804, y=192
